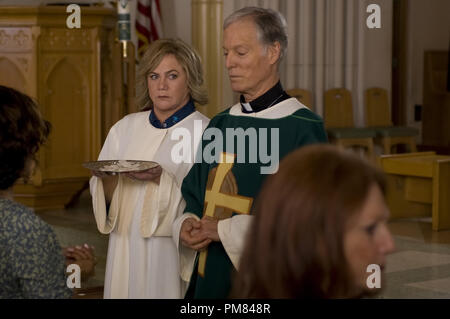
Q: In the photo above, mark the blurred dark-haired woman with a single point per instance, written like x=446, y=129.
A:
x=32, y=264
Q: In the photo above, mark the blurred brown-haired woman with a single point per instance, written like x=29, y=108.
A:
x=31, y=262
x=320, y=222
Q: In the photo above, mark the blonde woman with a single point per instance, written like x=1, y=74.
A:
x=137, y=209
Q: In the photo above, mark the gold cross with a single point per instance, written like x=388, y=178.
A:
x=214, y=198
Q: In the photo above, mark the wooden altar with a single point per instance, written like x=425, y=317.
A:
x=70, y=74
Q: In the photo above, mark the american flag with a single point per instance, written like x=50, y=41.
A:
x=148, y=23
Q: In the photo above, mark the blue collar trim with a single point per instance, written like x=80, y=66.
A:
x=176, y=117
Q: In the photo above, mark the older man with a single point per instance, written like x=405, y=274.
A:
x=248, y=140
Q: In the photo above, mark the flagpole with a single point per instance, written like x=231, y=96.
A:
x=123, y=11
x=127, y=56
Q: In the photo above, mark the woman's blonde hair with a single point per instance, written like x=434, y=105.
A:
x=185, y=55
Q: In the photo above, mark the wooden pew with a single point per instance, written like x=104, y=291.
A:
x=418, y=185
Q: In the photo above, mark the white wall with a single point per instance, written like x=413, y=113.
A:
x=177, y=19
x=331, y=46
x=377, y=60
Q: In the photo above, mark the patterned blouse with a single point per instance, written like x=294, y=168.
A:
x=31, y=261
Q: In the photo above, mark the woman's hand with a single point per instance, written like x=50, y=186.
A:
x=110, y=181
x=149, y=175
x=83, y=256
x=102, y=174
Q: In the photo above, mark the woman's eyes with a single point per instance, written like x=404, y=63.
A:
x=171, y=76
x=371, y=229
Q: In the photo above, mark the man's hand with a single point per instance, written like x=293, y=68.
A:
x=209, y=228
x=191, y=235
x=151, y=174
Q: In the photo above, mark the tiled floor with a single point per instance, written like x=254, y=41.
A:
x=420, y=267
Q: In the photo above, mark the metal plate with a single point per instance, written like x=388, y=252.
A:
x=120, y=166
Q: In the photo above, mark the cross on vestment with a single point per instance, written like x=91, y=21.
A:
x=214, y=198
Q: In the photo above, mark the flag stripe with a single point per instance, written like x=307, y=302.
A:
x=156, y=19
x=148, y=23
x=140, y=29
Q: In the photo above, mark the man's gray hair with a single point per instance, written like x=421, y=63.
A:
x=271, y=25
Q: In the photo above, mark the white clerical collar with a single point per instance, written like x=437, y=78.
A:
x=247, y=107
x=279, y=110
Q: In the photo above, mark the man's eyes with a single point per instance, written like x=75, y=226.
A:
x=239, y=53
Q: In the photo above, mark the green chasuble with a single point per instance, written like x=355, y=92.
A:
x=257, y=138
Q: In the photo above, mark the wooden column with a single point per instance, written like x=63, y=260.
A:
x=207, y=19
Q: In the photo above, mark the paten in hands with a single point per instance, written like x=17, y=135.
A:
x=120, y=166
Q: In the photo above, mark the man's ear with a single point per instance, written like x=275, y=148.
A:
x=274, y=52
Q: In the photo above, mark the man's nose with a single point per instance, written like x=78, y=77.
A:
x=229, y=60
